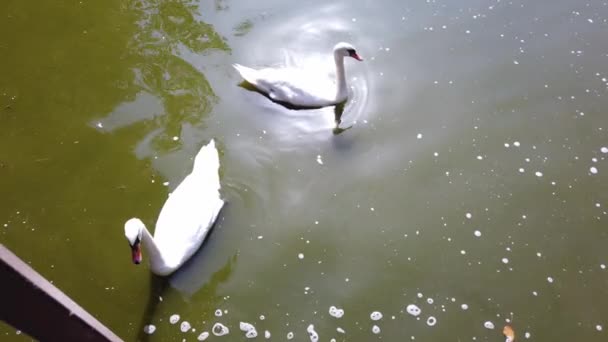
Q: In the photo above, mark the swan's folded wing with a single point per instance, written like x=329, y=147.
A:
x=186, y=218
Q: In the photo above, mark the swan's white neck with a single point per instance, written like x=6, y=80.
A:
x=342, y=91
x=157, y=263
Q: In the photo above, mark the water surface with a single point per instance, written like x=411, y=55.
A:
x=469, y=180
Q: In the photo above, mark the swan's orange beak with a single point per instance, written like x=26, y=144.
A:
x=356, y=56
x=136, y=253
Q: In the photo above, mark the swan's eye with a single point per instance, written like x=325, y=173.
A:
x=351, y=52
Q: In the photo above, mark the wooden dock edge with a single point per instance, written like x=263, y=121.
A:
x=32, y=304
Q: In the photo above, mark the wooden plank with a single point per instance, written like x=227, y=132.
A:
x=32, y=304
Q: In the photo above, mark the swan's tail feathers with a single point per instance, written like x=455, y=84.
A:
x=247, y=73
x=207, y=164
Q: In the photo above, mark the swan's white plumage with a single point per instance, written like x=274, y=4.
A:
x=300, y=87
x=187, y=215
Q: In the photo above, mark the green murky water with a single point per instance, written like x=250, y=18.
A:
x=471, y=182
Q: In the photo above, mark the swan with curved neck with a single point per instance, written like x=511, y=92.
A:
x=185, y=219
x=294, y=86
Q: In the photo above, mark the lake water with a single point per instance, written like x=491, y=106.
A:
x=468, y=176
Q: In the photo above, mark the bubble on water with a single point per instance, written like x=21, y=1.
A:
x=430, y=300
x=267, y=334
x=550, y=279
x=468, y=215
x=376, y=329
x=431, y=321
x=505, y=261
x=340, y=330
x=149, y=329
x=203, y=336
x=419, y=295
x=218, y=313
x=413, y=310
x=289, y=335
x=244, y=326
x=219, y=329
x=593, y=170
x=419, y=136
x=516, y=143
x=376, y=316
x=479, y=157
x=174, y=319
x=335, y=312
x=464, y=306
x=602, y=266
x=185, y=326
x=262, y=317
x=538, y=174
x=463, y=252
x=521, y=170
x=300, y=256
x=599, y=327
x=488, y=325
x=477, y=233
x=604, y=149
x=251, y=334
x=314, y=337
x=527, y=335
x=319, y=160
x=175, y=138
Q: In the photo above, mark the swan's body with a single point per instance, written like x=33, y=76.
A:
x=184, y=220
x=296, y=87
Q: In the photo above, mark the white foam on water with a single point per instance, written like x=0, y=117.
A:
x=314, y=337
x=335, y=312
x=521, y=170
x=340, y=330
x=267, y=334
x=505, y=261
x=430, y=300
x=516, y=143
x=376, y=316
x=300, y=256
x=527, y=335
x=604, y=149
x=376, y=329
x=468, y=215
x=203, y=336
x=550, y=279
x=431, y=321
x=174, y=319
x=419, y=295
x=464, y=306
x=149, y=329
x=479, y=157
x=244, y=326
x=413, y=310
x=220, y=330
x=488, y=325
x=319, y=160
x=289, y=335
x=538, y=174
x=419, y=136
x=185, y=326
x=262, y=317
x=477, y=233
x=593, y=170
x=599, y=327
x=251, y=334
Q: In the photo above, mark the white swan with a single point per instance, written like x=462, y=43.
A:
x=296, y=87
x=185, y=218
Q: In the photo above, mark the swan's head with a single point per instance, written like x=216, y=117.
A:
x=133, y=231
x=346, y=50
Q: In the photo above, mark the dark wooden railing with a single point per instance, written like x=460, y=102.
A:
x=32, y=304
